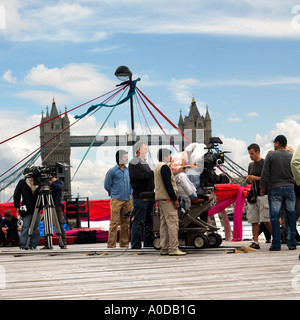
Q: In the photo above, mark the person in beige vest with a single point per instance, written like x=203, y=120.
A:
x=166, y=197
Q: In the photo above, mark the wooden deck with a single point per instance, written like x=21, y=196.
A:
x=95, y=272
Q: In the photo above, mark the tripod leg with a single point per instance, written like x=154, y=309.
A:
x=48, y=228
x=54, y=219
x=57, y=227
x=31, y=229
x=48, y=224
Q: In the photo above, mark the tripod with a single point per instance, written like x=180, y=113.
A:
x=45, y=199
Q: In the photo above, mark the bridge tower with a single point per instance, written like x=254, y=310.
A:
x=197, y=123
x=57, y=150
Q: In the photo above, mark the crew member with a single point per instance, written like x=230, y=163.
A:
x=141, y=180
x=56, y=187
x=166, y=197
x=28, y=192
x=117, y=184
x=9, y=229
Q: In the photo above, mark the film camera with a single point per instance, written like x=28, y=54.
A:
x=41, y=175
x=213, y=158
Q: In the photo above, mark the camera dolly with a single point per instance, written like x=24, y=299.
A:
x=193, y=231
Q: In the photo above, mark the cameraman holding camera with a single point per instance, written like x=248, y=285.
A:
x=28, y=192
x=56, y=187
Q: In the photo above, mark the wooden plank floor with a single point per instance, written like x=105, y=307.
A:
x=115, y=274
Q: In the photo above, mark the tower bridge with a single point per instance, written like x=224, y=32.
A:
x=194, y=126
x=127, y=140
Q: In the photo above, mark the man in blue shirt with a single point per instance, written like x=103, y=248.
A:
x=117, y=184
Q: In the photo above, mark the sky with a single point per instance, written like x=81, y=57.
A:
x=238, y=57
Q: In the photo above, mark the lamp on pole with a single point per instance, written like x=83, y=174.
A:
x=124, y=74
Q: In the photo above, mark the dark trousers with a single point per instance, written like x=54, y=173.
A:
x=12, y=233
x=142, y=224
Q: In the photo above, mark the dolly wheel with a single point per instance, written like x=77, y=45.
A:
x=201, y=241
x=156, y=243
x=220, y=238
x=214, y=240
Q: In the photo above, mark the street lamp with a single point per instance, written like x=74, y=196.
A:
x=124, y=74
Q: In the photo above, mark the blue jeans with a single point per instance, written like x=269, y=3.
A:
x=34, y=241
x=282, y=196
x=142, y=223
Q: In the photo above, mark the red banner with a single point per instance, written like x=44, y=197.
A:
x=99, y=210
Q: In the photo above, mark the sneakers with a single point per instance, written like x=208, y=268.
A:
x=177, y=253
x=164, y=253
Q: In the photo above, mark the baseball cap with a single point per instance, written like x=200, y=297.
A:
x=281, y=139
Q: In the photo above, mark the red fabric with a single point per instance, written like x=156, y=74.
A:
x=226, y=195
x=227, y=191
x=99, y=209
x=7, y=206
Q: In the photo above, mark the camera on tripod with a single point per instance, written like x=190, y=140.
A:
x=213, y=158
x=41, y=175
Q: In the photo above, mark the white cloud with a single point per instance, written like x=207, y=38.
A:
x=86, y=21
x=89, y=179
x=237, y=150
x=183, y=92
x=106, y=49
x=252, y=114
x=294, y=117
x=27, y=21
x=16, y=150
x=234, y=119
x=229, y=25
x=288, y=127
x=8, y=77
x=81, y=80
x=261, y=82
x=73, y=81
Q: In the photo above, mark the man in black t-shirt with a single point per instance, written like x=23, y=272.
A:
x=257, y=212
x=141, y=180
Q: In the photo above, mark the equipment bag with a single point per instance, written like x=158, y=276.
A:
x=252, y=193
x=86, y=236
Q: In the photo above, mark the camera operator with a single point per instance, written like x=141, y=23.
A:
x=28, y=192
x=56, y=187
